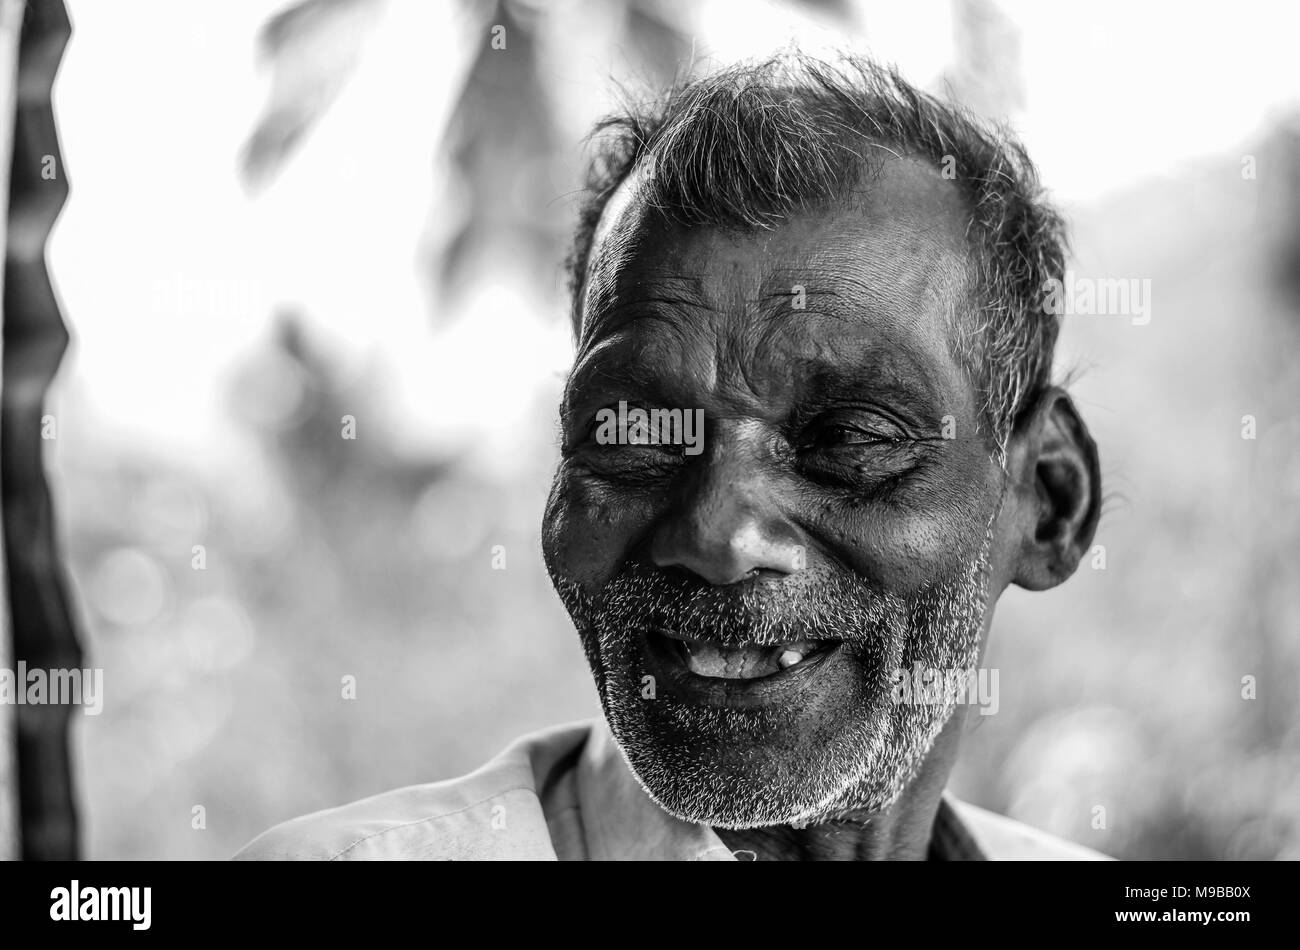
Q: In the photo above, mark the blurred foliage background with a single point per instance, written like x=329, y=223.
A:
x=293, y=213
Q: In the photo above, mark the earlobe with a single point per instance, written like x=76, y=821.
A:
x=1058, y=491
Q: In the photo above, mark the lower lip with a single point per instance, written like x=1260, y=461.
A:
x=665, y=660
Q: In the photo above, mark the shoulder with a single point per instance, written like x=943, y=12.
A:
x=493, y=812
x=449, y=821
x=1005, y=839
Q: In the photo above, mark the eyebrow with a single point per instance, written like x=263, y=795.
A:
x=823, y=384
x=820, y=385
x=595, y=380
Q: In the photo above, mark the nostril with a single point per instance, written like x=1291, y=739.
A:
x=675, y=572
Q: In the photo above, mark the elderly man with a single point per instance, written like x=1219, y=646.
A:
x=842, y=280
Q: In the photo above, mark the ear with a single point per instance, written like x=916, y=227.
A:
x=1056, y=488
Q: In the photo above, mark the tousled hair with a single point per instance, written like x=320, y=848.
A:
x=755, y=143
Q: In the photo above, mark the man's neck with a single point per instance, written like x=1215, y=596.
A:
x=901, y=832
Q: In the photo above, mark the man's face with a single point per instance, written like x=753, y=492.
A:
x=743, y=608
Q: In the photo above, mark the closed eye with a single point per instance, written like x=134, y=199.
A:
x=831, y=436
x=851, y=427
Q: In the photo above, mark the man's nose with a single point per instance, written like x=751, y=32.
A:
x=725, y=524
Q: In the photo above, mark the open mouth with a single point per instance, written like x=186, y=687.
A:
x=746, y=661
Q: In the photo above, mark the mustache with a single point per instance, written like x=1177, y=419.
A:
x=826, y=607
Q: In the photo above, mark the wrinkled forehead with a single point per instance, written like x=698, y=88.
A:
x=894, y=250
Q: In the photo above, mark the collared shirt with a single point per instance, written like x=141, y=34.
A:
x=567, y=794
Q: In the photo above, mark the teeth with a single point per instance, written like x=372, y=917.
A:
x=744, y=661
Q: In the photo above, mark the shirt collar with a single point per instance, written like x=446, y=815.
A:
x=951, y=838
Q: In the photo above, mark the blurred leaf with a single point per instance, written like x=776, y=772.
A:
x=503, y=144
x=312, y=47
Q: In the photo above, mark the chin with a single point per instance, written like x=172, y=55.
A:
x=726, y=774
